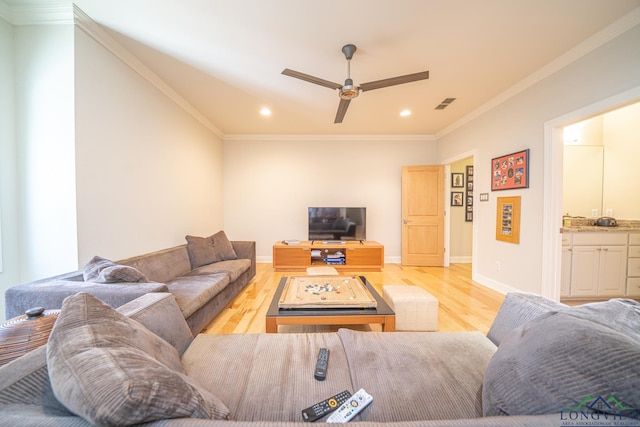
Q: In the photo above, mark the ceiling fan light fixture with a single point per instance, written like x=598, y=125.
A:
x=349, y=92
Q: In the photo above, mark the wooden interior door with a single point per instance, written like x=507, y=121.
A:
x=423, y=215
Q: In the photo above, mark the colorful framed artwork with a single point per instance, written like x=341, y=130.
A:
x=510, y=171
x=508, y=219
x=457, y=198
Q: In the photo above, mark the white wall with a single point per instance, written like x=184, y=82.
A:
x=148, y=172
x=10, y=271
x=518, y=123
x=45, y=158
x=270, y=182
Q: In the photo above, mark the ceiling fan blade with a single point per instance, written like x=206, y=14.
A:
x=394, y=81
x=342, y=110
x=311, y=79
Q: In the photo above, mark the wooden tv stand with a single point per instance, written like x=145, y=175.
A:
x=365, y=256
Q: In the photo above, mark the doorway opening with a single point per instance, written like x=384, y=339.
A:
x=553, y=184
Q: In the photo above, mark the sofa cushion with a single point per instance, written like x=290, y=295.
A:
x=163, y=265
x=267, y=377
x=234, y=268
x=207, y=250
x=102, y=270
x=193, y=292
x=568, y=358
x=110, y=370
x=416, y=375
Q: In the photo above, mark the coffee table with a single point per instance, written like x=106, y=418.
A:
x=381, y=314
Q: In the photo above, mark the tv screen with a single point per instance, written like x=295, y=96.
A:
x=337, y=223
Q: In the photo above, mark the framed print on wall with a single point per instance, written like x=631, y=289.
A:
x=457, y=198
x=469, y=216
x=508, y=219
x=457, y=180
x=510, y=171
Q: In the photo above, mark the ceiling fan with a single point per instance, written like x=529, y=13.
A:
x=348, y=91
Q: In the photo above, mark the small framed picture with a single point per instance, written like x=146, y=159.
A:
x=457, y=180
x=457, y=198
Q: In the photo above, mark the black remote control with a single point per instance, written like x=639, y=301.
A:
x=321, y=409
x=321, y=365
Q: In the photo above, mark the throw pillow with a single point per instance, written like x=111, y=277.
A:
x=575, y=358
x=101, y=270
x=112, y=371
x=207, y=250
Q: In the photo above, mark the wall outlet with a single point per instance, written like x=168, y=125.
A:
x=497, y=265
x=594, y=213
x=609, y=212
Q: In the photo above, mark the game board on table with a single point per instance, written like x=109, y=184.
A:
x=312, y=292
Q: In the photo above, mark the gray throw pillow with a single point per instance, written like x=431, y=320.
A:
x=207, y=250
x=573, y=359
x=101, y=270
x=112, y=371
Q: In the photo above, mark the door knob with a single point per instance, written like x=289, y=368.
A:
x=405, y=220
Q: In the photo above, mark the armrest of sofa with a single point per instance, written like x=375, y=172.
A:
x=159, y=312
x=517, y=309
x=247, y=250
x=50, y=293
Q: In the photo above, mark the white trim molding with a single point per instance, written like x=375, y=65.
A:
x=52, y=13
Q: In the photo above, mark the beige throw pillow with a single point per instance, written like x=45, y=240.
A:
x=112, y=371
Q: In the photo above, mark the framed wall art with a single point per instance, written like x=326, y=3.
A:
x=510, y=171
x=457, y=198
x=508, y=219
x=457, y=180
x=469, y=216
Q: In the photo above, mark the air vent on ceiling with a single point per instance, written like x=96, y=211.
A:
x=445, y=103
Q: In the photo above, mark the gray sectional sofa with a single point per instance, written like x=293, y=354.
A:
x=541, y=364
x=203, y=275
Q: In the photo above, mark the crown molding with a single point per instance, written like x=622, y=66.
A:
x=331, y=138
x=607, y=34
x=53, y=13
x=97, y=33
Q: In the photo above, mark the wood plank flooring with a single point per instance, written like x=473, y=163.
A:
x=464, y=304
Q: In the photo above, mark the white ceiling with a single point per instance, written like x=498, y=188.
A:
x=225, y=57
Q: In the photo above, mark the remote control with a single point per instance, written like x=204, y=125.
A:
x=351, y=407
x=321, y=365
x=321, y=409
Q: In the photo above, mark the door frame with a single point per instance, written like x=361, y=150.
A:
x=447, y=210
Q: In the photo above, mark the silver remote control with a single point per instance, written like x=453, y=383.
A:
x=351, y=407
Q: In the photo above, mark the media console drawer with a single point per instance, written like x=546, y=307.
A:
x=358, y=256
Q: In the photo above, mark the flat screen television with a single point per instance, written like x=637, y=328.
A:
x=337, y=223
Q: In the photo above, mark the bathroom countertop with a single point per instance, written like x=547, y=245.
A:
x=579, y=225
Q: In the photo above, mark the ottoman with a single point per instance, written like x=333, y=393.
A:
x=415, y=308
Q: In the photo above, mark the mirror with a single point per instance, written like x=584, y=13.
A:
x=600, y=170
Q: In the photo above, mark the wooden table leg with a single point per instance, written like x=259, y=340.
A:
x=271, y=325
x=389, y=324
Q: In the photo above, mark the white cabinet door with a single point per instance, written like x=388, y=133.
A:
x=565, y=280
x=585, y=265
x=613, y=271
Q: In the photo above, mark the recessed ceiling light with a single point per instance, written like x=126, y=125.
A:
x=405, y=113
x=265, y=111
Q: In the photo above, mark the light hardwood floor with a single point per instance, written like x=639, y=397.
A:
x=464, y=304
